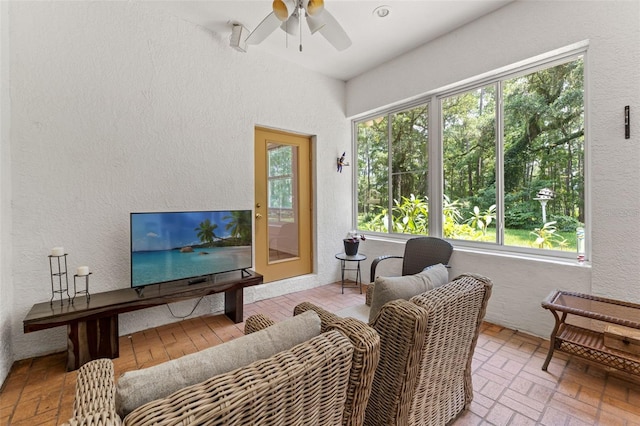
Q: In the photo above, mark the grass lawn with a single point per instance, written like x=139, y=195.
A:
x=524, y=238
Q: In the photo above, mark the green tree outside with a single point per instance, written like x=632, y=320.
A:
x=542, y=147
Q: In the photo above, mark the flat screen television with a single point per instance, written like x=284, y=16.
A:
x=190, y=245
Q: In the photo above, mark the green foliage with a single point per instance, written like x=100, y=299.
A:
x=411, y=216
x=455, y=226
x=542, y=143
x=481, y=221
x=373, y=166
x=544, y=136
x=377, y=223
x=522, y=215
x=565, y=223
x=546, y=237
x=280, y=159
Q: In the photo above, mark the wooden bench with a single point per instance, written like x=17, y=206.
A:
x=92, y=324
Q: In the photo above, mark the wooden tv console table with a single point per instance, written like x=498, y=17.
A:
x=604, y=331
x=92, y=324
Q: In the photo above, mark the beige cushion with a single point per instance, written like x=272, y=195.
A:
x=359, y=312
x=392, y=288
x=135, y=388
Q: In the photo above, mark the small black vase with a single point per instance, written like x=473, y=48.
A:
x=351, y=247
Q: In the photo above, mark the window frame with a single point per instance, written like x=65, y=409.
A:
x=436, y=152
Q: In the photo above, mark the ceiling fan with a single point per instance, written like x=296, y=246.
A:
x=287, y=15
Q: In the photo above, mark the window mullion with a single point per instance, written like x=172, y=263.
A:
x=435, y=167
x=390, y=173
x=499, y=165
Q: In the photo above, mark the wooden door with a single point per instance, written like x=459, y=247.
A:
x=283, y=204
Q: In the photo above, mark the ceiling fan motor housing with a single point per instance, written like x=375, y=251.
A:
x=287, y=15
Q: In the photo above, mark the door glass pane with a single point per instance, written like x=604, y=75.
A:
x=282, y=202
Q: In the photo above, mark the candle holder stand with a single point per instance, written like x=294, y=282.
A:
x=61, y=272
x=86, y=286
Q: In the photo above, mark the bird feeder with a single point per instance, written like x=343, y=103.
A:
x=544, y=195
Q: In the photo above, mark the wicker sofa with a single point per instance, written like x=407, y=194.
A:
x=324, y=380
x=427, y=344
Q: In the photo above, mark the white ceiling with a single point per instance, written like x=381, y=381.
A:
x=375, y=40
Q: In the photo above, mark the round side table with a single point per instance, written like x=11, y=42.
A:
x=344, y=258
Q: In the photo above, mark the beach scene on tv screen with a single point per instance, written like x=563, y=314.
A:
x=171, y=246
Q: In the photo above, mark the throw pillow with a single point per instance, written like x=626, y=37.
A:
x=135, y=388
x=438, y=274
x=392, y=288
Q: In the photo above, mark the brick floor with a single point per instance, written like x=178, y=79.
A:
x=509, y=386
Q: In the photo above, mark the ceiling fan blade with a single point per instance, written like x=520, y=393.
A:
x=333, y=32
x=315, y=23
x=264, y=29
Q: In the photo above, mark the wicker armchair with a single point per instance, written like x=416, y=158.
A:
x=94, y=402
x=419, y=253
x=427, y=345
x=325, y=380
x=366, y=354
x=305, y=385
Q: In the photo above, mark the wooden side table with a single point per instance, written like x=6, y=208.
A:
x=581, y=323
x=344, y=258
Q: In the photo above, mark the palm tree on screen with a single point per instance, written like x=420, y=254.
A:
x=239, y=225
x=206, y=231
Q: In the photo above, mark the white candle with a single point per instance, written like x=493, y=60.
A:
x=82, y=271
x=57, y=251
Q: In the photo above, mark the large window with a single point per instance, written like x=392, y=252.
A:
x=510, y=171
x=392, y=172
x=469, y=164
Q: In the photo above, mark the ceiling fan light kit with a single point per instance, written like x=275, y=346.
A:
x=286, y=14
x=281, y=10
x=314, y=7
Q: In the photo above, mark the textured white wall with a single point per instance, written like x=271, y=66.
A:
x=6, y=291
x=117, y=107
x=516, y=32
